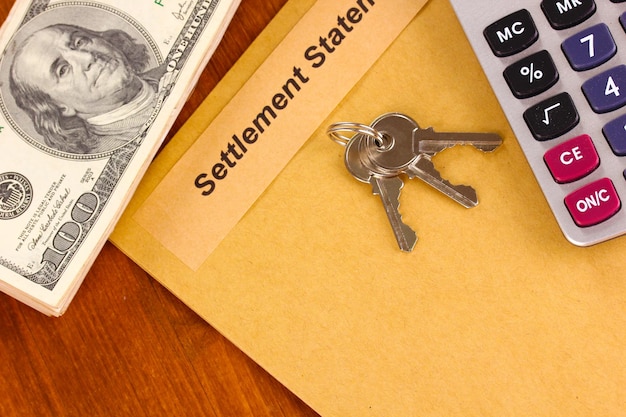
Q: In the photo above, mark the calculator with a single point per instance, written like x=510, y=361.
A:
x=558, y=69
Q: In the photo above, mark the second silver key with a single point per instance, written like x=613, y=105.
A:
x=427, y=141
x=386, y=187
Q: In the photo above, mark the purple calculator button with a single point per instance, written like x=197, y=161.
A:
x=589, y=48
x=607, y=91
x=615, y=134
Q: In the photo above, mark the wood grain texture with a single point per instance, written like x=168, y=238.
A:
x=126, y=346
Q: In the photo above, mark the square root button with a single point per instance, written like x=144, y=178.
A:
x=594, y=203
x=552, y=117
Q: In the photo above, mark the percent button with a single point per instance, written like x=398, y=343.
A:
x=531, y=75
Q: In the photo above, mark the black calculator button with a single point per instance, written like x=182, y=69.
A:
x=563, y=14
x=607, y=91
x=622, y=19
x=552, y=117
x=589, y=48
x=532, y=75
x=511, y=34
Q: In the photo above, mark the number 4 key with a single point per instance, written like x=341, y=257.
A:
x=607, y=91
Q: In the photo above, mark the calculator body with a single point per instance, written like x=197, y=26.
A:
x=561, y=128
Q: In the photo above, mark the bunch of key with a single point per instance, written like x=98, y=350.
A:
x=394, y=144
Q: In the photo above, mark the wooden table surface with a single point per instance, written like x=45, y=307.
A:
x=126, y=346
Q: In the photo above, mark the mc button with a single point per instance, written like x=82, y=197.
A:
x=511, y=34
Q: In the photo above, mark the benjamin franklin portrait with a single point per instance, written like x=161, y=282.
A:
x=85, y=91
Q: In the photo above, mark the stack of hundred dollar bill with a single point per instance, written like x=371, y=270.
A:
x=88, y=92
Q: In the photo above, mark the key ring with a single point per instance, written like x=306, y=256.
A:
x=335, y=132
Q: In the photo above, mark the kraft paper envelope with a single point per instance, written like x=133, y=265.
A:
x=494, y=313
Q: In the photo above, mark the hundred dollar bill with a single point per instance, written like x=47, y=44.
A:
x=88, y=91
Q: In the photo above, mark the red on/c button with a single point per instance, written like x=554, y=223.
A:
x=572, y=160
x=593, y=203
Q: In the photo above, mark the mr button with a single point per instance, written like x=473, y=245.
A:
x=511, y=34
x=563, y=14
x=593, y=203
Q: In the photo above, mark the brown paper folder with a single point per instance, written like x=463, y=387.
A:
x=493, y=314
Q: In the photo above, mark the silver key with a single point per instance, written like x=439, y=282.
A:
x=408, y=140
x=423, y=168
x=387, y=187
x=398, y=154
x=427, y=141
